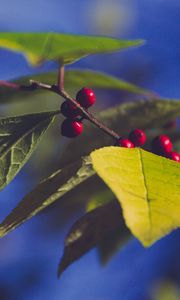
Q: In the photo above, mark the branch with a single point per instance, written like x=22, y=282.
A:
x=59, y=89
x=87, y=114
x=9, y=85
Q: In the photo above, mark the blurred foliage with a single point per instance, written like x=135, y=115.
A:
x=65, y=48
x=74, y=80
x=167, y=291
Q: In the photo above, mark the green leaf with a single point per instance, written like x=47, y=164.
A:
x=78, y=78
x=88, y=231
x=74, y=79
x=48, y=191
x=147, y=187
x=40, y=47
x=19, y=137
x=99, y=199
x=144, y=114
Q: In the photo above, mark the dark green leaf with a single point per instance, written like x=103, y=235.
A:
x=40, y=47
x=112, y=243
x=19, y=137
x=88, y=231
x=48, y=191
x=145, y=114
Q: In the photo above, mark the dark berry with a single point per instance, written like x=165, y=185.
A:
x=86, y=97
x=69, y=110
x=161, y=144
x=174, y=156
x=71, y=128
x=124, y=143
x=138, y=137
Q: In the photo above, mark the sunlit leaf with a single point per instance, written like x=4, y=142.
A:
x=88, y=231
x=67, y=48
x=147, y=187
x=144, y=114
x=19, y=137
x=48, y=191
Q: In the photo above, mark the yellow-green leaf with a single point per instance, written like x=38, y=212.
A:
x=67, y=48
x=147, y=187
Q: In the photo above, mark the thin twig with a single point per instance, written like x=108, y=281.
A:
x=9, y=84
x=40, y=85
x=87, y=114
x=34, y=85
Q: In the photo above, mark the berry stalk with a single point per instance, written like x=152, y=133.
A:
x=86, y=114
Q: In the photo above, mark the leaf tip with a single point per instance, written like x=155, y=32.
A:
x=61, y=267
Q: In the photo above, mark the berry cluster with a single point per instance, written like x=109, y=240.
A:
x=137, y=138
x=72, y=126
x=161, y=145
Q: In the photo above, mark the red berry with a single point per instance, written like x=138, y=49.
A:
x=138, y=137
x=161, y=144
x=69, y=110
x=124, y=143
x=86, y=97
x=174, y=156
x=71, y=128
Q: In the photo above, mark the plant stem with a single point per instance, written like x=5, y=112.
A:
x=61, y=78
